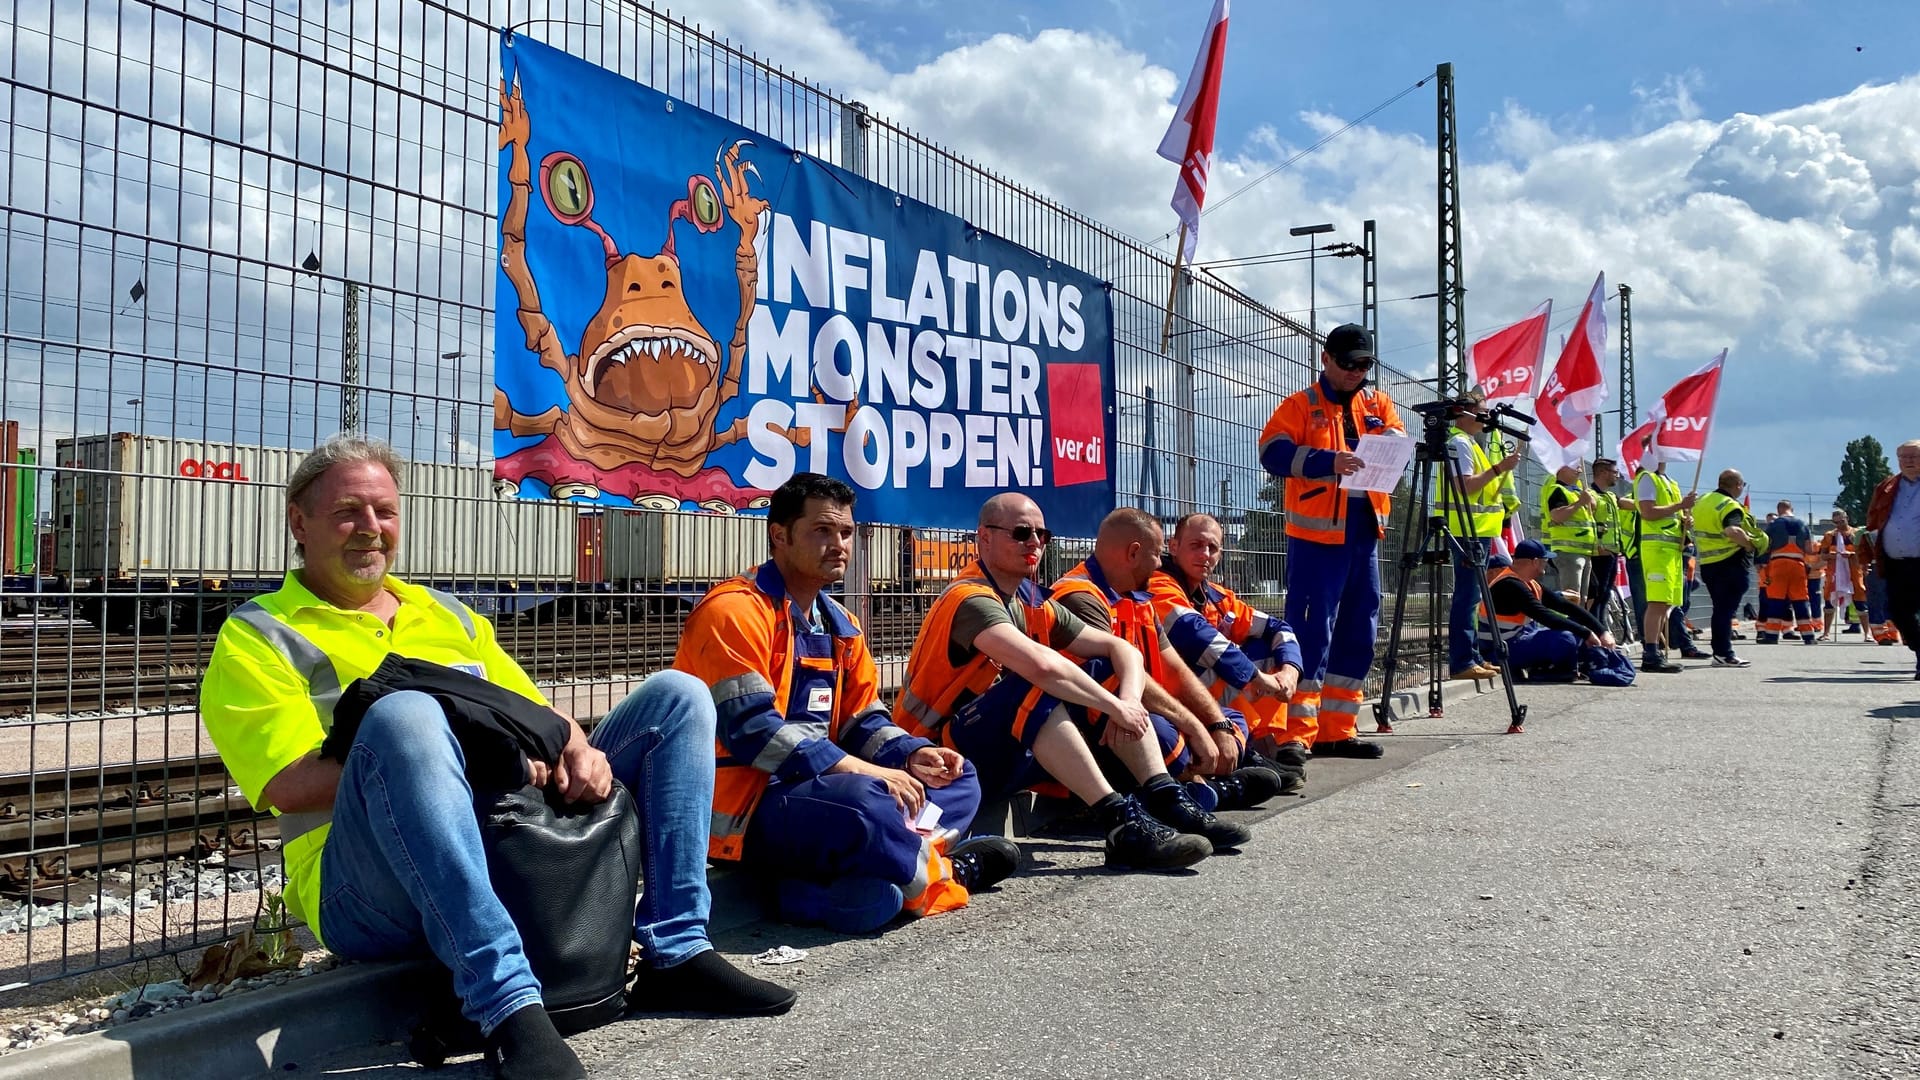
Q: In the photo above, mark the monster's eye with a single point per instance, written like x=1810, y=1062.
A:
x=569, y=194
x=706, y=202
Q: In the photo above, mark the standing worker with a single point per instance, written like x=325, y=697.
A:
x=1498, y=446
x=1475, y=524
x=1333, y=536
x=1784, y=606
x=1605, y=568
x=1568, y=527
x=1725, y=546
x=1660, y=541
x=1893, y=516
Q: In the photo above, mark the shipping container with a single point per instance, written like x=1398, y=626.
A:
x=133, y=507
x=649, y=547
x=23, y=500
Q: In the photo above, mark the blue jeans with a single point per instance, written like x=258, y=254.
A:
x=404, y=873
x=1463, y=645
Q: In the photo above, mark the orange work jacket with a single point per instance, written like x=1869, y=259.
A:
x=1310, y=421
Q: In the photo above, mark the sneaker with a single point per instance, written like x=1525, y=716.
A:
x=984, y=861
x=1249, y=787
x=705, y=983
x=1691, y=653
x=848, y=905
x=1487, y=670
x=1852, y=628
x=1177, y=809
x=1142, y=842
x=1731, y=660
x=1350, y=748
x=1477, y=671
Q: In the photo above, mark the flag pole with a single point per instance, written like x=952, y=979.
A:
x=1173, y=288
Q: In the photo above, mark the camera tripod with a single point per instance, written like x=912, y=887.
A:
x=1433, y=547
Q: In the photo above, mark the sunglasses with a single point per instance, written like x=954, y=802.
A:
x=1345, y=364
x=1024, y=534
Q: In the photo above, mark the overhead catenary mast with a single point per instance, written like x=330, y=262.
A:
x=1451, y=369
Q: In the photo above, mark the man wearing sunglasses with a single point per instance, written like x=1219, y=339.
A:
x=1333, y=573
x=1025, y=690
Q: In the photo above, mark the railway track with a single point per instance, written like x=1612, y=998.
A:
x=58, y=827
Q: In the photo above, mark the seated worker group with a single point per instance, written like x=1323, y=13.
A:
x=1248, y=659
x=817, y=789
x=1546, y=635
x=383, y=851
x=1030, y=693
x=1204, y=743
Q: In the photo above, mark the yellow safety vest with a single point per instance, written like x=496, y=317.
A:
x=1480, y=517
x=1574, y=536
x=1711, y=516
x=1667, y=531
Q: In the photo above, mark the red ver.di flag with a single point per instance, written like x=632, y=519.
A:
x=1188, y=142
x=1685, y=415
x=1632, y=447
x=1504, y=361
x=1574, y=391
x=689, y=313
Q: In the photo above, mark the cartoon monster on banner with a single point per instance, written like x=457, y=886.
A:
x=690, y=313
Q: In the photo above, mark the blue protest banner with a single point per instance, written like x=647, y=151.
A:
x=688, y=313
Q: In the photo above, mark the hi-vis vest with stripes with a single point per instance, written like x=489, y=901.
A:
x=1655, y=537
x=1130, y=615
x=935, y=687
x=1509, y=625
x=1481, y=515
x=1317, y=506
x=1711, y=515
x=1578, y=534
x=323, y=682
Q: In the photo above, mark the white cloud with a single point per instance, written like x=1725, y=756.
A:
x=1672, y=99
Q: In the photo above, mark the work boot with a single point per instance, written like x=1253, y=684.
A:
x=1351, y=748
x=526, y=1046
x=984, y=861
x=1172, y=804
x=1691, y=653
x=848, y=905
x=1137, y=840
x=1658, y=662
x=705, y=983
x=1292, y=776
x=1249, y=787
x=1293, y=753
x=1761, y=637
x=1809, y=639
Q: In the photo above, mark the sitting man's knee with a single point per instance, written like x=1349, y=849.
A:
x=404, y=720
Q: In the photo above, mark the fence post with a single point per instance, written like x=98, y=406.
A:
x=1186, y=480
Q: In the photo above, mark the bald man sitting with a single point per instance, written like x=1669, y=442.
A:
x=1201, y=740
x=997, y=674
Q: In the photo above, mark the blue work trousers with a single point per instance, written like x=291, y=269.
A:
x=1536, y=647
x=840, y=825
x=1463, y=617
x=1333, y=605
x=404, y=874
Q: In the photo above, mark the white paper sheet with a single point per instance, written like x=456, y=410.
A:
x=1383, y=459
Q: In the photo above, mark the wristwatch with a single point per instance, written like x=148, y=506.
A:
x=1221, y=725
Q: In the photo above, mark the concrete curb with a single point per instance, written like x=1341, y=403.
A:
x=249, y=1035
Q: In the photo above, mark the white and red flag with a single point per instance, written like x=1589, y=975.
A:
x=1188, y=142
x=1504, y=362
x=1572, y=393
x=1684, y=415
x=1631, y=451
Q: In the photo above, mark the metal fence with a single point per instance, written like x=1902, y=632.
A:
x=230, y=228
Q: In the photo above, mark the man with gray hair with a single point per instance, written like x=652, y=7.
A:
x=1893, y=516
x=383, y=850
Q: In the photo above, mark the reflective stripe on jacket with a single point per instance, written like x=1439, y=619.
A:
x=1130, y=614
x=1224, y=639
x=1299, y=443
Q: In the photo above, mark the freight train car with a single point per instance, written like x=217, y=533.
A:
x=156, y=533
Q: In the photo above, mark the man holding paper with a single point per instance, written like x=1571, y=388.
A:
x=852, y=818
x=1333, y=533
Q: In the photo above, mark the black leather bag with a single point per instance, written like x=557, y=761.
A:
x=567, y=875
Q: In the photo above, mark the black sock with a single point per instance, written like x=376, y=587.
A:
x=1111, y=810
x=525, y=1046
x=707, y=983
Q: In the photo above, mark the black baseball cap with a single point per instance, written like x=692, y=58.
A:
x=1350, y=341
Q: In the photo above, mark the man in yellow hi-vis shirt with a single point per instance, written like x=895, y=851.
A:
x=383, y=852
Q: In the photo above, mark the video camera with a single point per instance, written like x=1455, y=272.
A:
x=1439, y=414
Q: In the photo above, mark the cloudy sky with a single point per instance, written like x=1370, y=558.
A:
x=1750, y=167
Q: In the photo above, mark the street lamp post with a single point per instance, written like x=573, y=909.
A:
x=1312, y=233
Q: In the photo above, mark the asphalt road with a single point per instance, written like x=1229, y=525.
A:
x=1714, y=874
